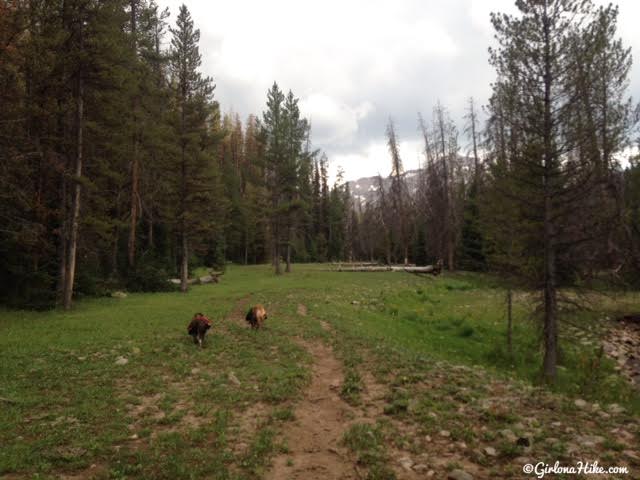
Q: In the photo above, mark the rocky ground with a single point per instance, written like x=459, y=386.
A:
x=622, y=344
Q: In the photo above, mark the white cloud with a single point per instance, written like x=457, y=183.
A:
x=332, y=121
x=354, y=63
x=374, y=159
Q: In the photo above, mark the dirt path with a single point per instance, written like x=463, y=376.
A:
x=321, y=418
x=237, y=314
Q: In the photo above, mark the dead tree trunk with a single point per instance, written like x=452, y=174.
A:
x=448, y=228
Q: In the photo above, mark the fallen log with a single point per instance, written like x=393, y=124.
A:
x=362, y=269
x=356, y=264
x=430, y=269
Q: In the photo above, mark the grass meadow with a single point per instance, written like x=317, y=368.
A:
x=116, y=389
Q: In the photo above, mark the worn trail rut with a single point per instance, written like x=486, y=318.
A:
x=321, y=418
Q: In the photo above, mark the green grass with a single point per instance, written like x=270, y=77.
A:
x=461, y=318
x=71, y=401
x=67, y=405
x=368, y=443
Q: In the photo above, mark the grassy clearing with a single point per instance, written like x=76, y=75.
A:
x=73, y=406
x=173, y=411
x=459, y=318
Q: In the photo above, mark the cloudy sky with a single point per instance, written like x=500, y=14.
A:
x=355, y=63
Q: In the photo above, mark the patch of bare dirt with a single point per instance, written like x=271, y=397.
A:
x=320, y=421
x=373, y=397
x=622, y=345
x=322, y=418
x=247, y=423
x=302, y=310
x=94, y=471
x=239, y=311
x=148, y=409
x=148, y=406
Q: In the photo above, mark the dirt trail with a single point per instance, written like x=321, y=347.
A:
x=237, y=314
x=321, y=418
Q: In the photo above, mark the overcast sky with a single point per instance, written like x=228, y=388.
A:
x=355, y=63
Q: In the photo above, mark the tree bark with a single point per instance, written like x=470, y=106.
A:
x=276, y=249
x=288, y=267
x=184, y=264
x=114, y=252
x=277, y=260
x=133, y=219
x=184, y=261
x=476, y=160
x=510, y=322
x=445, y=182
x=150, y=229
x=246, y=247
x=63, y=248
x=70, y=270
x=550, y=300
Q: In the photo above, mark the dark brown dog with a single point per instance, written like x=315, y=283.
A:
x=256, y=316
x=198, y=328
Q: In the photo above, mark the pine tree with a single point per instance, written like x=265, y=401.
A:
x=399, y=195
x=294, y=137
x=275, y=154
x=256, y=234
x=546, y=164
x=197, y=180
x=471, y=246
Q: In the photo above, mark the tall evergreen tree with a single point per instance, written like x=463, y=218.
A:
x=546, y=163
x=275, y=154
x=197, y=180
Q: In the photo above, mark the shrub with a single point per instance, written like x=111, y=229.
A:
x=24, y=289
x=149, y=275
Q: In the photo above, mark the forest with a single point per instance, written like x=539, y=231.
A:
x=118, y=167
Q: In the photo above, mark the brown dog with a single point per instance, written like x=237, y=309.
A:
x=256, y=316
x=198, y=328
